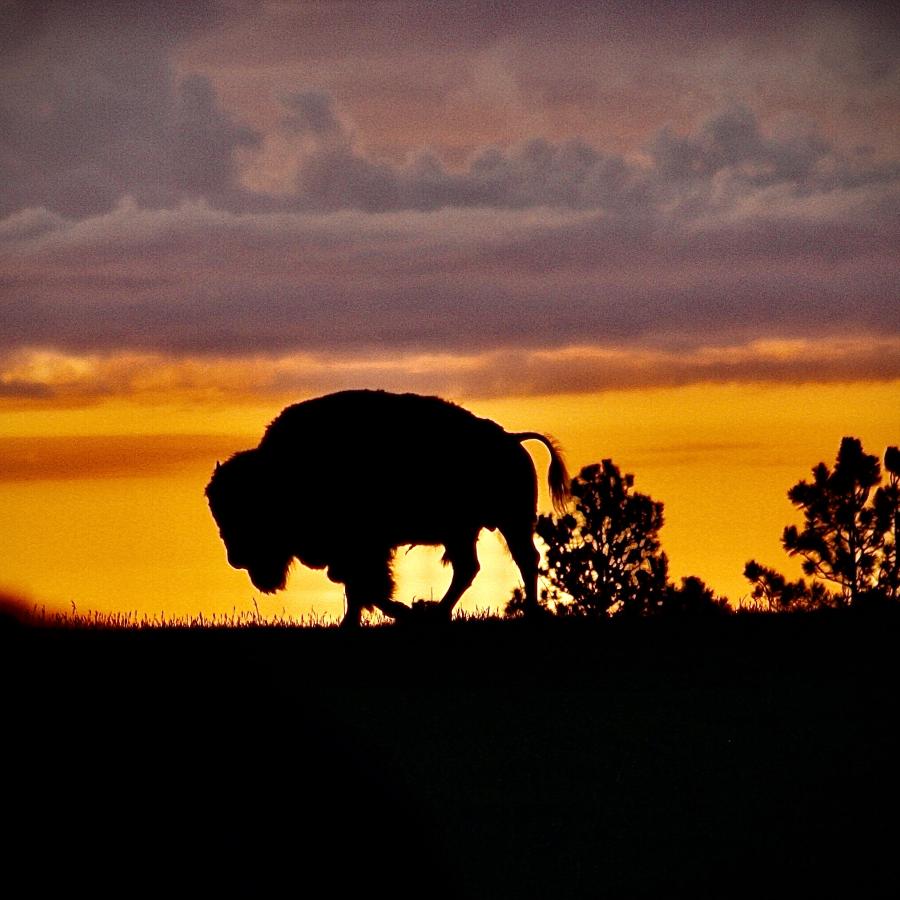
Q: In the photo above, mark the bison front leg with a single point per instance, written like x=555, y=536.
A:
x=369, y=582
x=340, y=573
x=353, y=615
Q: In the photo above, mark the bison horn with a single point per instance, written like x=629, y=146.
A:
x=218, y=465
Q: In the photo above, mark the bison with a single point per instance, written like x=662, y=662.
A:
x=340, y=481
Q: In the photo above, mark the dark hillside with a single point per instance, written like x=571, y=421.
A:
x=487, y=759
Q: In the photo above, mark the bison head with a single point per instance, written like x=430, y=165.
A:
x=245, y=509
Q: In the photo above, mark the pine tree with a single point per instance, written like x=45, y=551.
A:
x=843, y=535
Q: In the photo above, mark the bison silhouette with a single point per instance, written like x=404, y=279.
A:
x=340, y=481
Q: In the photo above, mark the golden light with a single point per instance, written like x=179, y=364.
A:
x=103, y=506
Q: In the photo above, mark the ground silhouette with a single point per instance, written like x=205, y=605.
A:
x=340, y=481
x=656, y=757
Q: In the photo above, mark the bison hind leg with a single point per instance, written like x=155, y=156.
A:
x=519, y=537
x=462, y=555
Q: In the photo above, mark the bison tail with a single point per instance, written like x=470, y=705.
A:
x=558, y=475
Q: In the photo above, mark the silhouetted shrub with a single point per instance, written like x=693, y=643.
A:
x=604, y=555
x=692, y=598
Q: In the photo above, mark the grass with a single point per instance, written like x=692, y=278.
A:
x=41, y=617
x=94, y=619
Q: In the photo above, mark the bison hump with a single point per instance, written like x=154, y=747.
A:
x=364, y=418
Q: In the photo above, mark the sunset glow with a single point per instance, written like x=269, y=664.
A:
x=117, y=521
x=668, y=237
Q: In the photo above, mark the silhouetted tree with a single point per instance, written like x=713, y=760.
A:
x=848, y=538
x=843, y=536
x=887, y=515
x=780, y=595
x=604, y=553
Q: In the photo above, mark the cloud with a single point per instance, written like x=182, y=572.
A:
x=28, y=224
x=763, y=264
x=732, y=140
x=311, y=112
x=462, y=76
x=90, y=109
x=101, y=100
x=487, y=373
x=94, y=108
x=148, y=209
x=731, y=143
x=536, y=173
x=314, y=162
x=727, y=160
x=107, y=456
x=204, y=141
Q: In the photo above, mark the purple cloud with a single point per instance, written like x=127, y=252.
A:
x=90, y=109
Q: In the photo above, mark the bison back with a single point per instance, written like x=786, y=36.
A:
x=402, y=457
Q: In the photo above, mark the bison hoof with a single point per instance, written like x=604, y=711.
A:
x=429, y=611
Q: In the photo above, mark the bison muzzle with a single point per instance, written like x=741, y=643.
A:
x=339, y=482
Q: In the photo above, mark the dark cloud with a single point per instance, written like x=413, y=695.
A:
x=90, y=110
x=536, y=173
x=204, y=139
x=24, y=390
x=199, y=280
x=726, y=160
x=732, y=139
x=311, y=112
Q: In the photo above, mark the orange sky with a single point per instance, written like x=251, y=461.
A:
x=104, y=506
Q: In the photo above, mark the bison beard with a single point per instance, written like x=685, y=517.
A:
x=340, y=481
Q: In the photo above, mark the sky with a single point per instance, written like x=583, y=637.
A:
x=666, y=233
